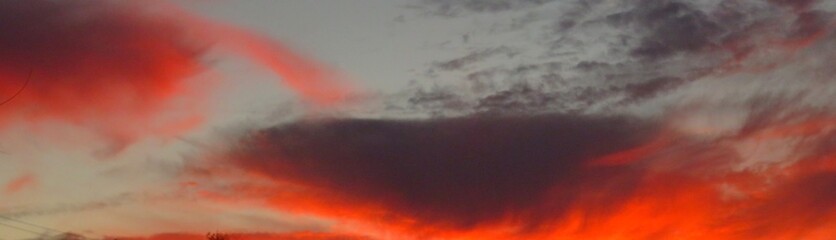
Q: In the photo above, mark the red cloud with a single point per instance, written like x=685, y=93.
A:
x=124, y=69
x=109, y=66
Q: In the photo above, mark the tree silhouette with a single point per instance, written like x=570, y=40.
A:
x=217, y=236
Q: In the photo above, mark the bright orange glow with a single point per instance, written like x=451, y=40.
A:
x=252, y=236
x=666, y=207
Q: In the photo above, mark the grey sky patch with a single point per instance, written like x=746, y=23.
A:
x=452, y=8
x=622, y=53
x=475, y=57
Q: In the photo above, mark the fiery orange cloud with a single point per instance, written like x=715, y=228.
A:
x=250, y=236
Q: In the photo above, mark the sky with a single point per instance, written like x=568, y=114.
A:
x=418, y=119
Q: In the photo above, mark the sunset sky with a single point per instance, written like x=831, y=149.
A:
x=418, y=119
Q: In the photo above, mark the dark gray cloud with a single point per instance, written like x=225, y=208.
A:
x=457, y=7
x=795, y=4
x=672, y=27
x=520, y=98
x=456, y=171
x=475, y=57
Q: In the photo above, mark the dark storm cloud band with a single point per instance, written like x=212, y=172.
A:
x=460, y=171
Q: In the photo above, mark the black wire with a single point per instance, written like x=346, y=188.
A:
x=19, y=90
x=19, y=228
x=31, y=224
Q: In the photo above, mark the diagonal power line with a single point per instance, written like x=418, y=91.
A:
x=48, y=229
x=19, y=228
x=31, y=224
x=28, y=78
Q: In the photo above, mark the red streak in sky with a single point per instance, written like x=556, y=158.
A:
x=20, y=183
